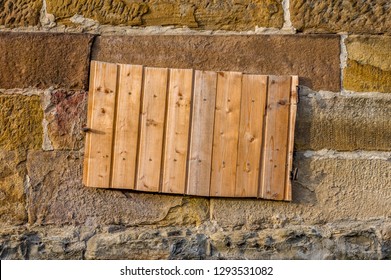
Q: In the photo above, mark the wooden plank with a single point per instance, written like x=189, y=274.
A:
x=126, y=126
x=201, y=136
x=101, y=121
x=177, y=130
x=291, y=136
x=93, y=67
x=252, y=111
x=226, y=133
x=152, y=129
x=274, y=162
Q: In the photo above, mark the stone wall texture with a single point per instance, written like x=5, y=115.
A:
x=369, y=63
x=314, y=58
x=44, y=59
x=15, y=13
x=341, y=206
x=329, y=16
x=204, y=14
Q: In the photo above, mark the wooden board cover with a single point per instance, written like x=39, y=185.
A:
x=184, y=131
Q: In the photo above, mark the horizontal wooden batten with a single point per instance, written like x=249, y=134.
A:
x=184, y=131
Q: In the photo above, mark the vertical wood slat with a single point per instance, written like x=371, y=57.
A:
x=177, y=130
x=101, y=120
x=275, y=149
x=226, y=134
x=223, y=148
x=252, y=112
x=152, y=129
x=291, y=135
x=201, y=136
x=126, y=130
x=86, y=166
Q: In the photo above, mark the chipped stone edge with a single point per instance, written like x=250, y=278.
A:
x=343, y=58
x=332, y=154
x=287, y=17
x=45, y=103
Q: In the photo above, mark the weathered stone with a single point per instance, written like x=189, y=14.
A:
x=370, y=17
x=42, y=243
x=315, y=58
x=343, y=122
x=129, y=244
x=12, y=193
x=44, y=59
x=300, y=242
x=56, y=196
x=20, y=122
x=66, y=115
x=226, y=15
x=328, y=189
x=369, y=63
x=20, y=12
x=364, y=239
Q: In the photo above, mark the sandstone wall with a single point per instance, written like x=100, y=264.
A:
x=341, y=206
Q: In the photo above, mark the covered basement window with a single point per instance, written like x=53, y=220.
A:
x=184, y=131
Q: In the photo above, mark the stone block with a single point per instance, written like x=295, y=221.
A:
x=332, y=16
x=57, y=196
x=315, y=58
x=20, y=12
x=66, y=116
x=328, y=189
x=343, y=122
x=42, y=243
x=12, y=188
x=44, y=60
x=204, y=14
x=20, y=122
x=369, y=64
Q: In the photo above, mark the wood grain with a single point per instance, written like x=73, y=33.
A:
x=101, y=121
x=201, y=136
x=252, y=113
x=291, y=136
x=274, y=164
x=151, y=129
x=126, y=129
x=226, y=134
x=177, y=130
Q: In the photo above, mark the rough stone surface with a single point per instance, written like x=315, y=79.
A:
x=66, y=115
x=327, y=190
x=20, y=122
x=20, y=12
x=369, y=63
x=44, y=59
x=345, y=240
x=12, y=193
x=57, y=196
x=354, y=16
x=315, y=58
x=343, y=122
x=204, y=14
x=59, y=243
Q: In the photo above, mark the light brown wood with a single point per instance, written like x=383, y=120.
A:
x=201, y=136
x=177, y=130
x=252, y=111
x=291, y=135
x=126, y=129
x=274, y=164
x=226, y=134
x=151, y=129
x=204, y=133
x=93, y=67
x=101, y=121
